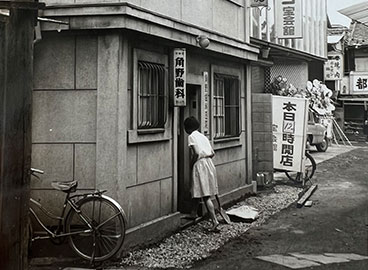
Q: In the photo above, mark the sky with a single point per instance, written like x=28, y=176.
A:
x=334, y=5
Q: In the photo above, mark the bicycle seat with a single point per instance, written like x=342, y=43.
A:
x=70, y=186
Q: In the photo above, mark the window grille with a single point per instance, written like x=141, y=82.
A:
x=152, y=95
x=226, y=109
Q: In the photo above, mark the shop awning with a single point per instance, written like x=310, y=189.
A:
x=333, y=39
x=358, y=12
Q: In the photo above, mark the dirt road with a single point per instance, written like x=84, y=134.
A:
x=336, y=224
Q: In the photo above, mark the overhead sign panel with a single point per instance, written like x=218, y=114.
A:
x=289, y=18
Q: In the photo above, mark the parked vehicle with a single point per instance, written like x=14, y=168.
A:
x=317, y=132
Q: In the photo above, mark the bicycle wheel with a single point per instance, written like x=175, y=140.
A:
x=103, y=235
x=310, y=168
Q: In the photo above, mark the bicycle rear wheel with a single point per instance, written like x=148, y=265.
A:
x=103, y=235
x=310, y=168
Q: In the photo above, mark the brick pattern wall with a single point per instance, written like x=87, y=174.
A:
x=258, y=78
x=262, y=133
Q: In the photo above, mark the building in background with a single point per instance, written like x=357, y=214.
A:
x=112, y=88
x=292, y=36
x=354, y=86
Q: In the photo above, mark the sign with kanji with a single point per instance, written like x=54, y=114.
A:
x=289, y=131
x=179, y=77
x=359, y=82
x=289, y=18
x=258, y=3
x=333, y=68
x=206, y=104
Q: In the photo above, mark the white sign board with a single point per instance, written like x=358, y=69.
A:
x=206, y=104
x=289, y=18
x=289, y=130
x=179, y=77
x=258, y=3
x=359, y=82
x=333, y=68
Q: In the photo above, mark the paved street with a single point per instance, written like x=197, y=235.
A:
x=336, y=224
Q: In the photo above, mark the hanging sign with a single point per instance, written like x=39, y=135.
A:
x=259, y=3
x=206, y=105
x=289, y=18
x=289, y=131
x=333, y=68
x=359, y=82
x=179, y=77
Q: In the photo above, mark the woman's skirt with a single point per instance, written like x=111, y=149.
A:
x=204, y=179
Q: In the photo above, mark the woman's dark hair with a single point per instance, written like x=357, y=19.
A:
x=191, y=124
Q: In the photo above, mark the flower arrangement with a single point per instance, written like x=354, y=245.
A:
x=318, y=94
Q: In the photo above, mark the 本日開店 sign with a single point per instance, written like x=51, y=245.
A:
x=333, y=68
x=359, y=82
x=258, y=3
x=289, y=130
x=179, y=77
x=206, y=105
x=289, y=18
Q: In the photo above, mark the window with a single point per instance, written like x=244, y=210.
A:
x=152, y=95
x=226, y=106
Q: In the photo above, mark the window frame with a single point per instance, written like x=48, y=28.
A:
x=227, y=141
x=141, y=135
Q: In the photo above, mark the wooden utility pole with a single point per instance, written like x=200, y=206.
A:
x=17, y=20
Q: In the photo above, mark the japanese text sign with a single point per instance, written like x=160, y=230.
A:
x=359, y=82
x=259, y=3
x=179, y=77
x=289, y=131
x=206, y=105
x=289, y=18
x=333, y=68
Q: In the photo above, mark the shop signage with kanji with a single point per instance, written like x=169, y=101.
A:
x=259, y=3
x=206, y=105
x=289, y=18
x=359, y=82
x=179, y=77
x=289, y=131
x=333, y=68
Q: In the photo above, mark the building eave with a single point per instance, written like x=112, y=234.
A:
x=128, y=16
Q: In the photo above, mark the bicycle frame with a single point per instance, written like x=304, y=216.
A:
x=69, y=200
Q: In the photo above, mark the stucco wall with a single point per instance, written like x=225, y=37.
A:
x=201, y=13
x=64, y=113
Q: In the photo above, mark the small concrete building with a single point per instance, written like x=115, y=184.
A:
x=103, y=102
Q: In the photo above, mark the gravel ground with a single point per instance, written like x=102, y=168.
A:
x=196, y=243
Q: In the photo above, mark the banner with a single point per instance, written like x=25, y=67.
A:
x=333, y=67
x=289, y=18
x=179, y=77
x=289, y=131
x=206, y=104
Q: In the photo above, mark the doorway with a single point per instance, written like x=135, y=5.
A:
x=193, y=108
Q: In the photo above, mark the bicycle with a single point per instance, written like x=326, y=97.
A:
x=310, y=167
x=94, y=224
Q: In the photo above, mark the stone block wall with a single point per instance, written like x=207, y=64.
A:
x=262, y=133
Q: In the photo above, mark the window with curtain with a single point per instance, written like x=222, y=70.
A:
x=152, y=95
x=226, y=106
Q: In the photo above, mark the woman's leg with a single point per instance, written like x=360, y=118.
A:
x=211, y=210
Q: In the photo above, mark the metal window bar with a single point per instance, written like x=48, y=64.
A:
x=152, y=95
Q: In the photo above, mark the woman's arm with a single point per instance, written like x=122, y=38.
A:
x=193, y=155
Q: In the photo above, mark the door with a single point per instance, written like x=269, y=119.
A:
x=193, y=108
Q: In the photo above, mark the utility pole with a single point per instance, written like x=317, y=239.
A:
x=17, y=21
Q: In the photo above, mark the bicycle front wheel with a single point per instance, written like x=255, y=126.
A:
x=310, y=168
x=98, y=230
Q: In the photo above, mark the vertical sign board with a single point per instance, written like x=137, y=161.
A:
x=289, y=131
x=179, y=77
x=289, y=18
x=206, y=105
x=359, y=82
x=258, y=3
x=333, y=68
